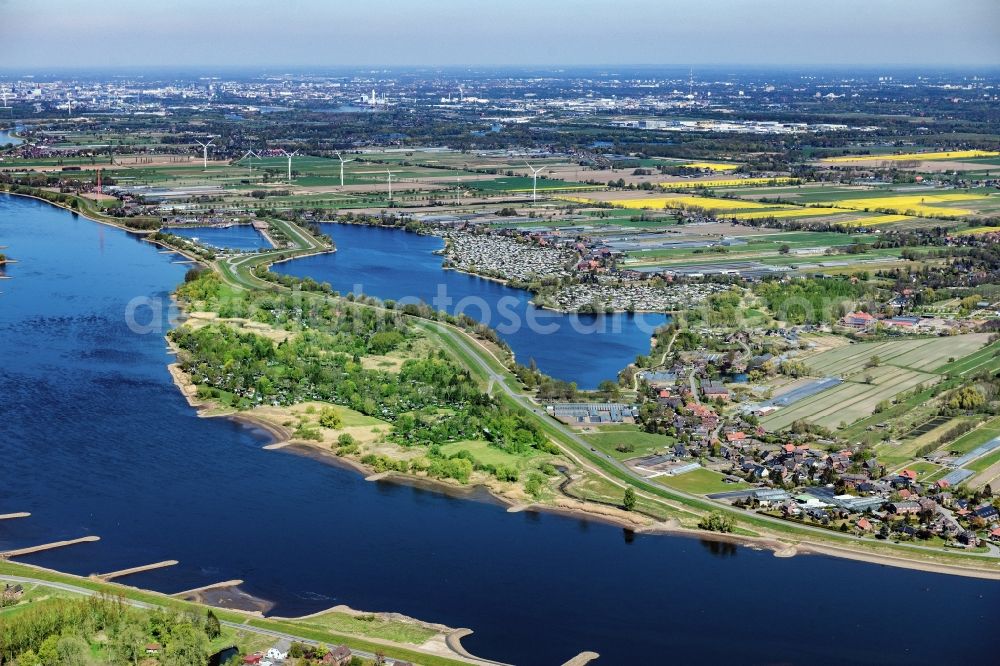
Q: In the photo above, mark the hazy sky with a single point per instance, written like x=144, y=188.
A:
x=330, y=33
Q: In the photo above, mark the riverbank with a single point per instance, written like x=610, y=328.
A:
x=208, y=409
x=143, y=233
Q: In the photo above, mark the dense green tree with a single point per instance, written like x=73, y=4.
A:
x=127, y=644
x=187, y=646
x=629, y=501
x=72, y=650
x=213, y=629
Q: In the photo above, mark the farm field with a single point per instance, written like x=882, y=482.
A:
x=875, y=220
x=905, y=450
x=902, y=366
x=713, y=166
x=926, y=204
x=978, y=230
x=977, y=437
x=939, y=155
x=849, y=401
x=900, y=206
x=857, y=207
x=925, y=354
x=982, y=465
x=986, y=358
x=667, y=201
x=524, y=184
x=731, y=182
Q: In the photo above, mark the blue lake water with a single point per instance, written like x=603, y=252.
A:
x=239, y=237
x=396, y=264
x=6, y=137
x=95, y=439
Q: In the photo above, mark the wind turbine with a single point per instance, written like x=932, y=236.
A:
x=6, y=106
x=342, y=163
x=534, y=180
x=289, y=156
x=204, y=149
x=390, y=184
x=251, y=155
x=459, y=179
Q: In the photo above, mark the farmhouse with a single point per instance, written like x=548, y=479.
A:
x=859, y=321
x=338, y=656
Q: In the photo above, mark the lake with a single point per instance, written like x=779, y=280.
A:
x=6, y=137
x=397, y=264
x=96, y=439
x=237, y=237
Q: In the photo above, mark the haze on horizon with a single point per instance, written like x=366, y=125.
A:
x=313, y=33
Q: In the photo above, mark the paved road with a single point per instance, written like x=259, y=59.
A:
x=694, y=387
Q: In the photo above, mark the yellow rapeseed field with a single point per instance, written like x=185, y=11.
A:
x=790, y=212
x=714, y=166
x=659, y=203
x=979, y=230
x=755, y=208
x=874, y=220
x=733, y=182
x=940, y=155
x=917, y=204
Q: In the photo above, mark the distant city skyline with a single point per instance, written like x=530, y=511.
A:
x=311, y=33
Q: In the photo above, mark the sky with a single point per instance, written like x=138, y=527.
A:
x=337, y=33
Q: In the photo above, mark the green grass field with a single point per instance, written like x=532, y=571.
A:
x=641, y=443
x=700, y=482
x=985, y=358
x=485, y=454
x=371, y=626
x=523, y=184
x=985, y=462
x=974, y=438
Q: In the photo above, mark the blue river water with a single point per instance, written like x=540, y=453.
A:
x=240, y=237
x=96, y=440
x=396, y=264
